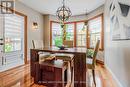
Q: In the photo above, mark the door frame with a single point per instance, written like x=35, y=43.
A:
x=25, y=34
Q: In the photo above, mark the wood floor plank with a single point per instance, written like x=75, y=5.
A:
x=20, y=77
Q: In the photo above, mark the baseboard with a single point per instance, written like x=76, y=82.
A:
x=114, y=77
x=100, y=62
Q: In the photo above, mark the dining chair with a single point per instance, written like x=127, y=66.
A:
x=91, y=62
x=67, y=58
x=37, y=44
x=68, y=43
x=52, y=73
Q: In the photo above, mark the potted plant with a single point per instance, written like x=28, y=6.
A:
x=90, y=53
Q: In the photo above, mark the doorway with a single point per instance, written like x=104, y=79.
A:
x=13, y=40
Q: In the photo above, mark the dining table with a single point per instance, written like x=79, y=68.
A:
x=80, y=67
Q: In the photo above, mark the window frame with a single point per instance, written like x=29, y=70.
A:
x=73, y=31
x=77, y=34
x=87, y=32
x=101, y=33
x=73, y=27
x=51, y=23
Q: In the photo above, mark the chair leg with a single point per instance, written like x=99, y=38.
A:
x=93, y=72
x=71, y=69
x=71, y=74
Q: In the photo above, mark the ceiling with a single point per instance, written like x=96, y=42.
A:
x=76, y=6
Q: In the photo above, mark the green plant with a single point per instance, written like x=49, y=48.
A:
x=58, y=41
x=90, y=53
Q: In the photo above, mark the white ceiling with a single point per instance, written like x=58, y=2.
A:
x=76, y=6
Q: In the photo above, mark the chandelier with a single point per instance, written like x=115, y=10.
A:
x=63, y=13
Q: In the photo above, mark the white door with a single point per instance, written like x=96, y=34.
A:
x=1, y=41
x=11, y=41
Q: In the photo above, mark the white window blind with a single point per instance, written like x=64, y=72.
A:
x=95, y=26
x=81, y=34
x=14, y=31
x=70, y=31
x=56, y=34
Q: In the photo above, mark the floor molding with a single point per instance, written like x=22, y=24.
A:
x=100, y=62
x=114, y=77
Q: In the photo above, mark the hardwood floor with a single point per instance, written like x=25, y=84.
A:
x=20, y=77
x=103, y=78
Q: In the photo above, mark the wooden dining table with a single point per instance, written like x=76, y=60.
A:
x=80, y=67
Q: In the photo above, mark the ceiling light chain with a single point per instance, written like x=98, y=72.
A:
x=63, y=2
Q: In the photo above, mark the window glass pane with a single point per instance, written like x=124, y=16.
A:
x=81, y=34
x=70, y=31
x=14, y=29
x=95, y=31
x=56, y=34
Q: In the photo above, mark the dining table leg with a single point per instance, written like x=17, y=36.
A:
x=80, y=70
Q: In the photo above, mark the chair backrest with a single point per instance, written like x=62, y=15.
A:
x=95, y=52
x=37, y=44
x=68, y=43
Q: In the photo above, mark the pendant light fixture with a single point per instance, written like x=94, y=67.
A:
x=63, y=13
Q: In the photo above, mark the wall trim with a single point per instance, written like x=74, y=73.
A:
x=100, y=62
x=114, y=77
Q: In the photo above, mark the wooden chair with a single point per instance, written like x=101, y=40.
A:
x=68, y=43
x=91, y=62
x=67, y=58
x=54, y=71
x=37, y=44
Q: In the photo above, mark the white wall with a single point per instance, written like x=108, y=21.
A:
x=117, y=54
x=33, y=16
x=46, y=30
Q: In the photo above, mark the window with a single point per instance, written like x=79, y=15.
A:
x=56, y=34
x=82, y=37
x=70, y=31
x=81, y=34
x=95, y=31
x=14, y=28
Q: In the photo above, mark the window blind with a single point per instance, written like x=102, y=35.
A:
x=14, y=31
x=81, y=34
x=56, y=34
x=70, y=31
x=95, y=26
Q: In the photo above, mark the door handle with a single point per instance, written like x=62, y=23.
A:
x=2, y=60
x=1, y=43
x=1, y=39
